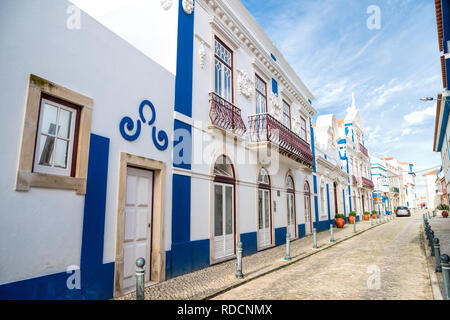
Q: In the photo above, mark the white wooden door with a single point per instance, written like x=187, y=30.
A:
x=138, y=213
x=223, y=220
x=265, y=228
x=291, y=224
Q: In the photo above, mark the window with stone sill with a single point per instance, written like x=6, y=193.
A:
x=54, y=151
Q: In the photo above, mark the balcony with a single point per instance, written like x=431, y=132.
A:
x=225, y=115
x=367, y=183
x=363, y=150
x=265, y=128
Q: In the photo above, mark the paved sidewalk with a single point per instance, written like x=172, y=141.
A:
x=441, y=228
x=209, y=282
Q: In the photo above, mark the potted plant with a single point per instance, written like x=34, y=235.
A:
x=374, y=214
x=339, y=220
x=444, y=210
x=352, y=217
x=366, y=216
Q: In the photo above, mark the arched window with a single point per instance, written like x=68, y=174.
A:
x=223, y=168
x=264, y=209
x=291, y=216
x=224, y=209
x=290, y=184
x=263, y=177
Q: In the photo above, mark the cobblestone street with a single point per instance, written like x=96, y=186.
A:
x=341, y=272
x=338, y=271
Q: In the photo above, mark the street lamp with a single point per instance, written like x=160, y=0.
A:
x=426, y=99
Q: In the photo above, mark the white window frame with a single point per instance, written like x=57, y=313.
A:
x=55, y=170
x=220, y=90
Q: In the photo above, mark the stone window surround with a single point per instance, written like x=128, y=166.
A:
x=26, y=178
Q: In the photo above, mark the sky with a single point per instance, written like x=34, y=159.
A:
x=330, y=46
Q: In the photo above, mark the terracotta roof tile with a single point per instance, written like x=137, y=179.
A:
x=431, y=172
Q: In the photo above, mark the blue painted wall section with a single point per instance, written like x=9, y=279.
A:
x=316, y=201
x=185, y=255
x=280, y=236
x=249, y=243
x=97, y=279
x=185, y=56
x=274, y=86
x=301, y=230
x=328, y=202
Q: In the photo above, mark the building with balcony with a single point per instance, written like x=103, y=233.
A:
x=441, y=129
x=387, y=176
x=200, y=137
x=252, y=175
x=355, y=158
x=332, y=176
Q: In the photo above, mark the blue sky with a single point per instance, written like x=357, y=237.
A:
x=330, y=46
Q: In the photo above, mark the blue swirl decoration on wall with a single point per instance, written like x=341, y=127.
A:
x=160, y=139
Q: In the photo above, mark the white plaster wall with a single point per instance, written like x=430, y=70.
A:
x=145, y=24
x=40, y=230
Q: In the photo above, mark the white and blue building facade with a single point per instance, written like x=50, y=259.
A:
x=442, y=131
x=332, y=174
x=115, y=149
x=354, y=160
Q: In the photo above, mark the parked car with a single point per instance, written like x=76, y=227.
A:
x=402, y=212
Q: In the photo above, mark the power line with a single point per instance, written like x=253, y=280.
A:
x=429, y=169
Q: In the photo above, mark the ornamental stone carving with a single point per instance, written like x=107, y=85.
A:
x=297, y=125
x=188, y=6
x=245, y=84
x=202, y=55
x=166, y=4
x=276, y=106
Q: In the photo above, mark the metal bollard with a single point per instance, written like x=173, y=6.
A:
x=432, y=253
x=446, y=274
x=430, y=242
x=437, y=254
x=354, y=225
x=140, y=274
x=288, y=247
x=331, y=233
x=314, y=238
x=371, y=220
x=239, y=274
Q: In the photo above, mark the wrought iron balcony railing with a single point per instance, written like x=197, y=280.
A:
x=265, y=128
x=363, y=150
x=225, y=115
x=367, y=183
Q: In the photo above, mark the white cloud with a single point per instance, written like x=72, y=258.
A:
x=419, y=117
x=406, y=131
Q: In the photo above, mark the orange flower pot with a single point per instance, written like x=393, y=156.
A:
x=339, y=222
x=351, y=219
x=374, y=216
x=366, y=217
x=445, y=214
